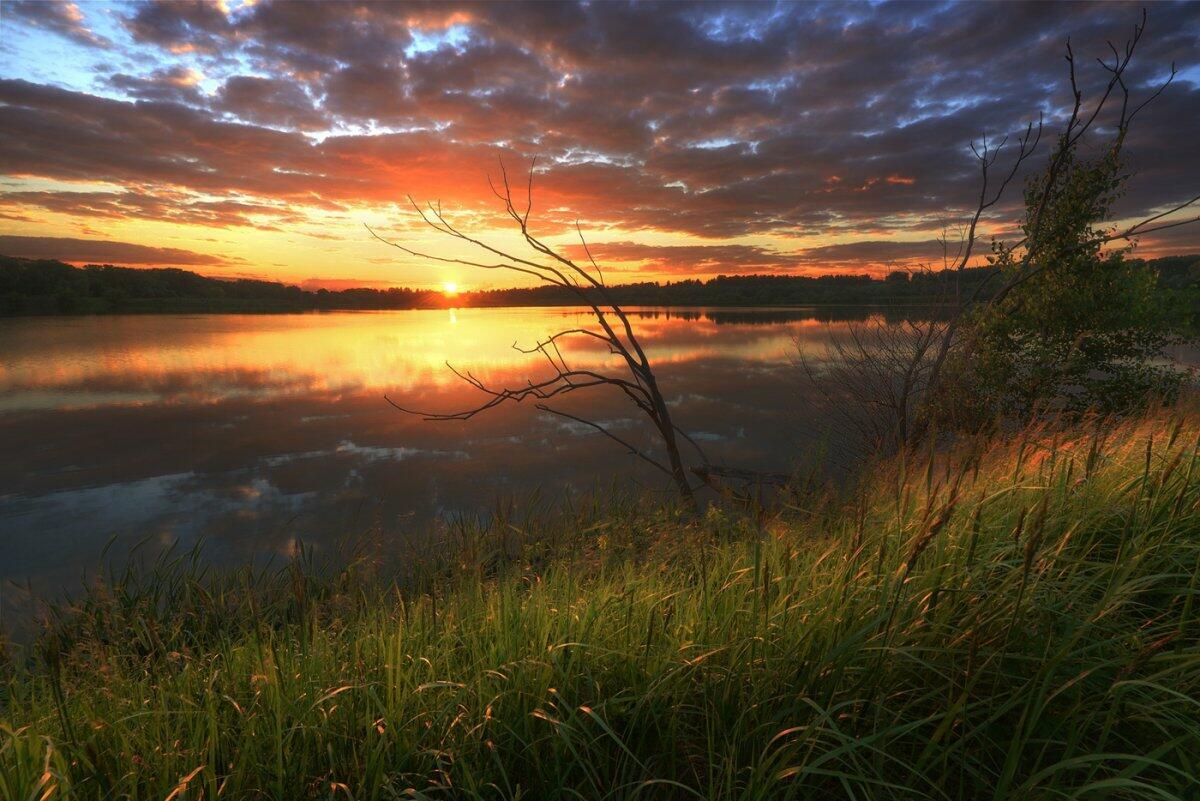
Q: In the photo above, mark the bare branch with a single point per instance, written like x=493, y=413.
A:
x=609, y=434
x=641, y=385
x=1075, y=128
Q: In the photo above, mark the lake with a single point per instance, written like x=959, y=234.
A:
x=255, y=432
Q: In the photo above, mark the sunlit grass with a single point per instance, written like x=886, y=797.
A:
x=1019, y=620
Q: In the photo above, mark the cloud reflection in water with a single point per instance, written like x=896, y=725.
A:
x=254, y=430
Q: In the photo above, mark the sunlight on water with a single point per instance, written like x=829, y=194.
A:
x=83, y=362
x=251, y=431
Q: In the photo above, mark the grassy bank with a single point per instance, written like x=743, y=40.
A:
x=1019, y=620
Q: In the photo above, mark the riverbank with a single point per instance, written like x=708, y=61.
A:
x=1020, y=619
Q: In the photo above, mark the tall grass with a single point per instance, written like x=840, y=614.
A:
x=1016, y=620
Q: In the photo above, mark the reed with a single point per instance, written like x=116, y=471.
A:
x=1016, y=619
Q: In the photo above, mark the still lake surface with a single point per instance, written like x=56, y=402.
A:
x=254, y=432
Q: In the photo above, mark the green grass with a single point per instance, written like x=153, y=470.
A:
x=1018, y=620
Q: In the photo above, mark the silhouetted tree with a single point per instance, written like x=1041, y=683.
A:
x=612, y=328
x=1064, y=311
x=1056, y=317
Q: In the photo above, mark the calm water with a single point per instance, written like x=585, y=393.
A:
x=255, y=431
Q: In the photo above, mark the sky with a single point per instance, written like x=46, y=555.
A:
x=258, y=139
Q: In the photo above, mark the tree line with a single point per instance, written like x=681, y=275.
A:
x=43, y=286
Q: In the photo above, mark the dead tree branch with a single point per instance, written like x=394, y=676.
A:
x=613, y=329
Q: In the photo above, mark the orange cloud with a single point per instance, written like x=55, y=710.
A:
x=683, y=131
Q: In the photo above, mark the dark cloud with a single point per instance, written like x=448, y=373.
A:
x=174, y=85
x=337, y=284
x=58, y=16
x=874, y=254
x=716, y=120
x=148, y=204
x=686, y=259
x=270, y=101
x=737, y=258
x=182, y=26
x=877, y=253
x=100, y=251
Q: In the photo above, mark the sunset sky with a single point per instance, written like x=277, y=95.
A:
x=256, y=139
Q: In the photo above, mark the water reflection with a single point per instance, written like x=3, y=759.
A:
x=253, y=431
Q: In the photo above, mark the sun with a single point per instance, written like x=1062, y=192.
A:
x=449, y=288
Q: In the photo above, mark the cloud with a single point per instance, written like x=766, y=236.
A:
x=181, y=26
x=157, y=204
x=57, y=16
x=876, y=253
x=1184, y=239
x=74, y=136
x=271, y=102
x=720, y=122
x=338, y=284
x=100, y=251
x=175, y=84
x=872, y=255
x=685, y=259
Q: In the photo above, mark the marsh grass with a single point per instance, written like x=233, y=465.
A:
x=1018, y=619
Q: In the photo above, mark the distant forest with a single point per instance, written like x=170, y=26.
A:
x=29, y=287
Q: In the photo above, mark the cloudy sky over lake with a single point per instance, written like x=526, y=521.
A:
x=688, y=140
